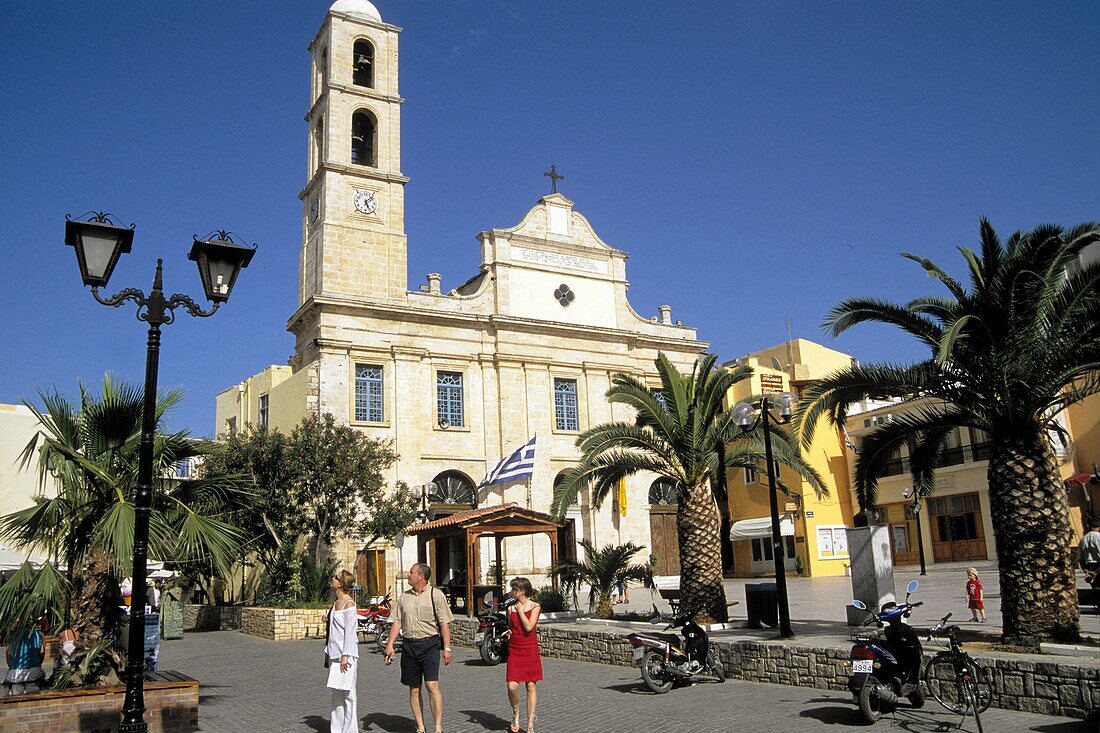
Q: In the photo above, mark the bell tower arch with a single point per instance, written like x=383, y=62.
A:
x=353, y=203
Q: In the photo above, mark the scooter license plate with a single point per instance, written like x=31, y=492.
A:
x=479, y=637
x=639, y=655
x=865, y=666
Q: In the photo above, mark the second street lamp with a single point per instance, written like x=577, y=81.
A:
x=747, y=417
x=99, y=241
x=915, y=507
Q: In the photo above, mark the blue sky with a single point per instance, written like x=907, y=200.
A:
x=758, y=161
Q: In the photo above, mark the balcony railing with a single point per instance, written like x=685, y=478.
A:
x=949, y=457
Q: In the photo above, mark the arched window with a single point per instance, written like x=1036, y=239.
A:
x=560, y=479
x=318, y=145
x=363, y=132
x=362, y=65
x=452, y=487
x=663, y=492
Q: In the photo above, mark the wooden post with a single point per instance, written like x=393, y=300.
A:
x=554, y=536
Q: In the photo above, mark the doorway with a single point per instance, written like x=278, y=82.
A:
x=957, y=529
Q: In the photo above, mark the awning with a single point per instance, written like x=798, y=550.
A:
x=747, y=529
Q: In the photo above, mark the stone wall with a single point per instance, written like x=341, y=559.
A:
x=211, y=618
x=284, y=624
x=1020, y=682
x=171, y=706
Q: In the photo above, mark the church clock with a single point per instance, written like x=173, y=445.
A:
x=365, y=202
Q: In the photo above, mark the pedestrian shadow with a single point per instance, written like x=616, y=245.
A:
x=386, y=722
x=833, y=715
x=317, y=723
x=488, y=721
x=1077, y=726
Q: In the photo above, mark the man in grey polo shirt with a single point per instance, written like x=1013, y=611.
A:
x=425, y=617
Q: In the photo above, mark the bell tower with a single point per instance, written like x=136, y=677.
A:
x=353, y=203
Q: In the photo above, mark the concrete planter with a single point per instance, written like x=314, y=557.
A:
x=283, y=624
x=171, y=706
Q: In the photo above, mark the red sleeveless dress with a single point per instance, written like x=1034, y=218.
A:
x=524, y=664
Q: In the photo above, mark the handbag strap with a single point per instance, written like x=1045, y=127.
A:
x=435, y=612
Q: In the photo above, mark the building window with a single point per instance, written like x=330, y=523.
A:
x=231, y=426
x=448, y=395
x=368, y=393
x=362, y=70
x=263, y=410
x=565, y=404
x=363, y=132
x=452, y=487
x=832, y=542
x=318, y=144
x=663, y=492
x=750, y=475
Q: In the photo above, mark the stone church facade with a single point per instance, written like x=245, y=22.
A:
x=456, y=379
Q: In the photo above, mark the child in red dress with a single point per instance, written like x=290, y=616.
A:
x=975, y=597
x=524, y=664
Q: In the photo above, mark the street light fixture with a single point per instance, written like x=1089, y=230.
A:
x=99, y=241
x=915, y=507
x=747, y=417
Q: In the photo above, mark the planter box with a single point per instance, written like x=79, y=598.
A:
x=171, y=706
x=284, y=624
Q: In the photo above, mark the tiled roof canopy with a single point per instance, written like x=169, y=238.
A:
x=510, y=515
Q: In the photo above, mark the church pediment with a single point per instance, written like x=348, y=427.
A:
x=553, y=224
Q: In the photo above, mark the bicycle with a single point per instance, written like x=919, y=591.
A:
x=956, y=680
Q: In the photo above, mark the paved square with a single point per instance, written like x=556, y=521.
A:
x=249, y=684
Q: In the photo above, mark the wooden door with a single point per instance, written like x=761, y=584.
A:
x=957, y=531
x=663, y=540
x=370, y=571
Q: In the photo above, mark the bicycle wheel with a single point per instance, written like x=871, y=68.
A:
x=944, y=685
x=970, y=694
x=983, y=686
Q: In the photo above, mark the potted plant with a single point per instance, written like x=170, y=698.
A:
x=798, y=566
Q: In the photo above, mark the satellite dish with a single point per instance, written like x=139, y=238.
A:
x=776, y=364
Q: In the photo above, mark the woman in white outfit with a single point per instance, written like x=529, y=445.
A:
x=343, y=650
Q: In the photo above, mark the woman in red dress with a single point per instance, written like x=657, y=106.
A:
x=524, y=664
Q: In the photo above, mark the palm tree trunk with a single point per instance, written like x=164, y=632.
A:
x=1031, y=524
x=698, y=527
x=96, y=619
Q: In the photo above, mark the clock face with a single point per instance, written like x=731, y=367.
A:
x=314, y=210
x=365, y=202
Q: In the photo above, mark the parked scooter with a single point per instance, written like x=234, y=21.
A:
x=490, y=638
x=885, y=669
x=372, y=620
x=665, y=660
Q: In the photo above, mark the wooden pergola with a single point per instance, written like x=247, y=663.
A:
x=499, y=522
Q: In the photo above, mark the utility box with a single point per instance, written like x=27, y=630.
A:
x=171, y=613
x=762, y=605
x=872, y=566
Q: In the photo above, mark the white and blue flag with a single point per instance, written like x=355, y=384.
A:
x=519, y=464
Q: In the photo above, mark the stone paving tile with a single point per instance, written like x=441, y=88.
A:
x=249, y=684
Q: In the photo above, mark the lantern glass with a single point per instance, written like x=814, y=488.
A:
x=743, y=415
x=98, y=247
x=219, y=262
x=784, y=403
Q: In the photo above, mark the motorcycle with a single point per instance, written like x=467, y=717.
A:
x=371, y=622
x=886, y=669
x=491, y=636
x=665, y=660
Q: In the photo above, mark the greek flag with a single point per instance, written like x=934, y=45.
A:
x=519, y=464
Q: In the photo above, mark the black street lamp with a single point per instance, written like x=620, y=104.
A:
x=99, y=241
x=915, y=507
x=747, y=417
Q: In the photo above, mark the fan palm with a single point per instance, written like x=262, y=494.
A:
x=1008, y=353
x=682, y=434
x=601, y=570
x=86, y=458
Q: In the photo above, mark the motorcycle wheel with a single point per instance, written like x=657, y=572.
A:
x=380, y=639
x=654, y=675
x=490, y=651
x=715, y=665
x=870, y=705
x=916, y=697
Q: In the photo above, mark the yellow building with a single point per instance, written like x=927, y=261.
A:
x=955, y=522
x=812, y=527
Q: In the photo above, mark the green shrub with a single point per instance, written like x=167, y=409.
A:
x=551, y=599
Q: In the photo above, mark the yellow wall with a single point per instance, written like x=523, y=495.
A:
x=286, y=400
x=826, y=454
x=17, y=487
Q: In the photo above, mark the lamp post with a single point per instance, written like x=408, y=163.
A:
x=915, y=507
x=99, y=240
x=747, y=417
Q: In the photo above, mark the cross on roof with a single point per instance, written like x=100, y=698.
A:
x=554, y=177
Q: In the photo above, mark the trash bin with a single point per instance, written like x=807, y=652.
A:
x=761, y=604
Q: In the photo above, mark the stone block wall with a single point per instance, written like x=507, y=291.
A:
x=211, y=618
x=1066, y=687
x=284, y=624
x=170, y=707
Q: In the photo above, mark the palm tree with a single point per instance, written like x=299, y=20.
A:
x=1008, y=353
x=681, y=433
x=602, y=570
x=90, y=454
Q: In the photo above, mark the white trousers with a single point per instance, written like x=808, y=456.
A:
x=344, y=714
